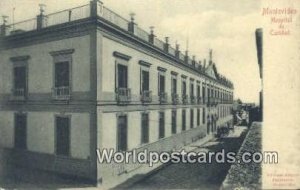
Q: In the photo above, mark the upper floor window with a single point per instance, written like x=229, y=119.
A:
x=198, y=93
x=20, y=77
x=123, y=92
x=174, y=94
x=174, y=85
x=203, y=94
x=162, y=87
x=192, y=92
x=184, y=91
x=62, y=74
x=122, y=75
x=183, y=88
x=146, y=94
x=192, y=89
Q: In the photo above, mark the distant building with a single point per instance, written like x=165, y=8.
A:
x=259, y=48
x=86, y=78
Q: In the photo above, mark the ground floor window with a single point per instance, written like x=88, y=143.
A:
x=192, y=118
x=183, y=120
x=21, y=131
x=62, y=135
x=198, y=117
x=145, y=128
x=161, y=125
x=174, y=122
x=122, y=133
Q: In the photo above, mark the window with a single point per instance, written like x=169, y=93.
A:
x=203, y=93
x=20, y=131
x=183, y=88
x=144, y=81
x=208, y=94
x=192, y=118
x=198, y=92
x=203, y=116
x=122, y=133
x=174, y=85
x=62, y=74
x=183, y=120
x=184, y=95
x=192, y=89
x=198, y=117
x=122, y=76
x=20, y=81
x=161, y=84
x=19, y=73
x=62, y=135
x=161, y=125
x=146, y=94
x=161, y=88
x=123, y=93
x=174, y=121
x=145, y=128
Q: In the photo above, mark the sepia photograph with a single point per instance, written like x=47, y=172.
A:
x=141, y=94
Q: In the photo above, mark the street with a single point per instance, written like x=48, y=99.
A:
x=194, y=176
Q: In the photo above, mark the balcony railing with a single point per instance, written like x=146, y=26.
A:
x=123, y=95
x=185, y=99
x=212, y=101
x=175, y=98
x=18, y=94
x=163, y=97
x=146, y=96
x=199, y=100
x=61, y=93
x=193, y=99
x=204, y=100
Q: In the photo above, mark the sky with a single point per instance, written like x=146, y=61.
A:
x=226, y=27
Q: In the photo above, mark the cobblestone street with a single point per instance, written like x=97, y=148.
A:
x=194, y=176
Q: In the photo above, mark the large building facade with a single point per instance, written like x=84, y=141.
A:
x=86, y=79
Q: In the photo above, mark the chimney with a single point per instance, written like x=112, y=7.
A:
x=151, y=36
x=131, y=24
x=177, y=51
x=194, y=60
x=166, y=45
x=41, y=18
x=4, y=28
x=186, y=57
x=200, y=66
x=210, y=56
